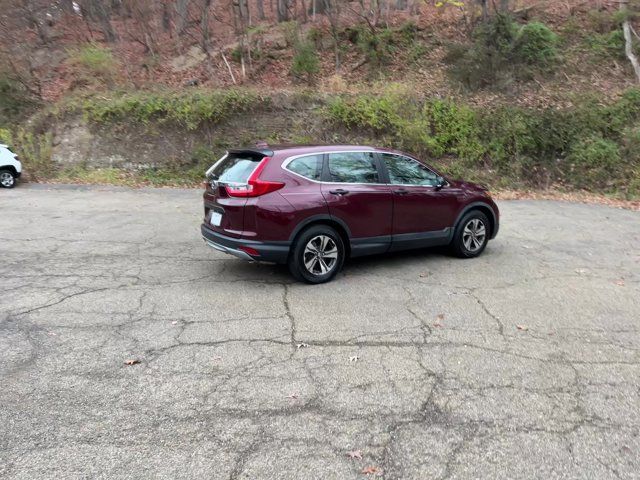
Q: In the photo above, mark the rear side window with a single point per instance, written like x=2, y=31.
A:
x=235, y=168
x=353, y=167
x=309, y=167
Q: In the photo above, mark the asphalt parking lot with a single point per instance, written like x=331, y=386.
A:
x=523, y=363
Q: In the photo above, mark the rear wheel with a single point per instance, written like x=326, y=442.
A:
x=7, y=179
x=318, y=255
x=471, y=235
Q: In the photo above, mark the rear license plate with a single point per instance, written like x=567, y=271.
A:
x=216, y=218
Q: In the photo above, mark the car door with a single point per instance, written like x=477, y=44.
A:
x=422, y=211
x=355, y=194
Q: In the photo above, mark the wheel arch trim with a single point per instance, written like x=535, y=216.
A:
x=476, y=206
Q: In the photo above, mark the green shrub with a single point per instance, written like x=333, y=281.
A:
x=607, y=44
x=377, y=47
x=14, y=99
x=535, y=44
x=33, y=149
x=305, y=61
x=93, y=62
x=592, y=146
x=502, y=52
x=291, y=32
x=592, y=162
x=190, y=109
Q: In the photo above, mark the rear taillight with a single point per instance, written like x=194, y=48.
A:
x=254, y=186
x=251, y=251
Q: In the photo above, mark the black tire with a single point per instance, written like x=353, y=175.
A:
x=7, y=178
x=313, y=237
x=465, y=243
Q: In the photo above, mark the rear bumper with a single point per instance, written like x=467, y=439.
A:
x=274, y=252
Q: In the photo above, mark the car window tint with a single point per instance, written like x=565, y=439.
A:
x=406, y=171
x=309, y=166
x=353, y=167
x=235, y=168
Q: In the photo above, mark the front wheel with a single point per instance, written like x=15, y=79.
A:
x=317, y=255
x=471, y=235
x=7, y=179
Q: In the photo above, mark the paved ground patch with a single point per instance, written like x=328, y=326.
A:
x=523, y=363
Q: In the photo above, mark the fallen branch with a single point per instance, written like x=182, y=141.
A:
x=233, y=79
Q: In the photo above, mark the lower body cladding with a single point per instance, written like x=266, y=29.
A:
x=251, y=250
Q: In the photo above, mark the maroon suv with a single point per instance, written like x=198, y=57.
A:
x=313, y=206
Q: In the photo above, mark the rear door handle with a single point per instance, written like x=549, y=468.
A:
x=339, y=191
x=401, y=191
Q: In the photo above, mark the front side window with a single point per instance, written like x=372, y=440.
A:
x=309, y=167
x=353, y=167
x=406, y=171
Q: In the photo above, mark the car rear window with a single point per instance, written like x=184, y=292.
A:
x=235, y=168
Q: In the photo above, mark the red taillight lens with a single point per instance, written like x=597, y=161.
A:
x=251, y=251
x=254, y=186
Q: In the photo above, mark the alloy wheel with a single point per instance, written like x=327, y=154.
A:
x=6, y=179
x=474, y=235
x=320, y=255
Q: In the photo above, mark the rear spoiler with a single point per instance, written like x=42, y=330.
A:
x=265, y=152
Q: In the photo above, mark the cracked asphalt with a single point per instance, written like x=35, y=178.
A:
x=523, y=363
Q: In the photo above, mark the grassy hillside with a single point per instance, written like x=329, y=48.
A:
x=536, y=96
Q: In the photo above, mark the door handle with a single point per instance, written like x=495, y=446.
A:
x=339, y=191
x=401, y=191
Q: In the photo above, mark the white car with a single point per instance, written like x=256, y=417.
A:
x=10, y=167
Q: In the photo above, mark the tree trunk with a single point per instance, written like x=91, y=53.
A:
x=166, y=16
x=204, y=24
x=283, y=10
x=100, y=12
x=628, y=39
x=182, y=15
x=260, y=6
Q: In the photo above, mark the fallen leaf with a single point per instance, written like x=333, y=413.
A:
x=132, y=361
x=301, y=345
x=292, y=395
x=355, y=454
x=355, y=358
x=522, y=327
x=620, y=282
x=424, y=274
x=371, y=470
x=439, y=320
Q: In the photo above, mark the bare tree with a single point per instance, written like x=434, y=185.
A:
x=182, y=15
x=260, y=8
x=99, y=11
x=204, y=24
x=628, y=47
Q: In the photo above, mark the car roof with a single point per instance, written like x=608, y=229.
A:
x=270, y=150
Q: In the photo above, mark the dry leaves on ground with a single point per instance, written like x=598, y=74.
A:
x=355, y=455
x=522, y=327
x=372, y=471
x=131, y=361
x=439, y=320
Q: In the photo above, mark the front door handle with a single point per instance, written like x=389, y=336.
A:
x=401, y=191
x=339, y=191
